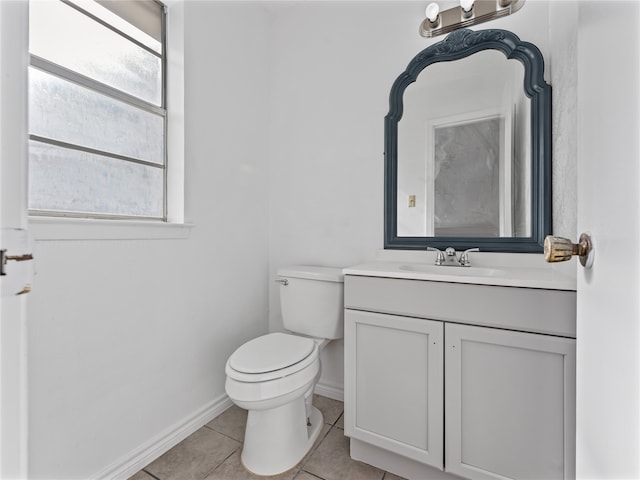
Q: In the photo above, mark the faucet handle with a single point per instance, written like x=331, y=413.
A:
x=464, y=257
x=450, y=251
x=439, y=255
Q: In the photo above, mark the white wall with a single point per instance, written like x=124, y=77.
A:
x=333, y=65
x=129, y=338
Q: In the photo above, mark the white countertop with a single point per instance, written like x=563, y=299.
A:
x=502, y=269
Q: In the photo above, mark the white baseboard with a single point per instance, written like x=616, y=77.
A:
x=330, y=391
x=131, y=463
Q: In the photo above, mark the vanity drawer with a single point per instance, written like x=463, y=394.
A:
x=525, y=309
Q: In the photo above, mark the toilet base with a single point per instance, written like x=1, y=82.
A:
x=277, y=439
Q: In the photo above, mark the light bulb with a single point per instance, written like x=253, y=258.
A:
x=467, y=5
x=432, y=12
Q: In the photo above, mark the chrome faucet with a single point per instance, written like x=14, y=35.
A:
x=464, y=257
x=439, y=255
x=449, y=258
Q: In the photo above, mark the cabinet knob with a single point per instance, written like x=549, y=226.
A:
x=558, y=249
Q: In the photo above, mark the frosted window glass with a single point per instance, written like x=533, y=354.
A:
x=62, y=35
x=66, y=112
x=72, y=181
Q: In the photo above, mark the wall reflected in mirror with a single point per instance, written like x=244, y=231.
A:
x=464, y=158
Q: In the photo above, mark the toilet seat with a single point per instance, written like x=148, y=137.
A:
x=270, y=357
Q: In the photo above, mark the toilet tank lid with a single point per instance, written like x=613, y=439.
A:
x=328, y=274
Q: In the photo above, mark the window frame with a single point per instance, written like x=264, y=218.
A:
x=41, y=216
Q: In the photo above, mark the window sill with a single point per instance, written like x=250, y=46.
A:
x=54, y=228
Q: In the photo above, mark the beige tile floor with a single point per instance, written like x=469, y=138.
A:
x=213, y=453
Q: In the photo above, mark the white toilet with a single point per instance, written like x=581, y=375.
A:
x=273, y=376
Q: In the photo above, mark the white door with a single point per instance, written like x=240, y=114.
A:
x=608, y=300
x=13, y=215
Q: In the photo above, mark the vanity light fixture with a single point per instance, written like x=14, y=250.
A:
x=433, y=14
x=470, y=12
x=467, y=8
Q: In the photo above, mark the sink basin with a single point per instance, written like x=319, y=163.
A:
x=442, y=270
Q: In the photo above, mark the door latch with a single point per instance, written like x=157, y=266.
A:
x=18, y=258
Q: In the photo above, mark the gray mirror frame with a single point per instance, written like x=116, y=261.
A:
x=460, y=44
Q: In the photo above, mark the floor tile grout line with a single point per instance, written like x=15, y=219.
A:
x=317, y=444
x=150, y=474
x=221, y=433
x=312, y=474
x=310, y=453
x=335, y=424
x=206, y=475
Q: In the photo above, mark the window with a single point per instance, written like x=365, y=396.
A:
x=97, y=109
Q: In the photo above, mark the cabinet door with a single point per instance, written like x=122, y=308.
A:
x=509, y=404
x=393, y=384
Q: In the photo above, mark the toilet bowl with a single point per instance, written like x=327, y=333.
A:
x=273, y=376
x=282, y=425
x=266, y=371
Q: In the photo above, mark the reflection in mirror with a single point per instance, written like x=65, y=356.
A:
x=460, y=150
x=469, y=179
x=468, y=146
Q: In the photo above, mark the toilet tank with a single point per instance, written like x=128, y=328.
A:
x=312, y=300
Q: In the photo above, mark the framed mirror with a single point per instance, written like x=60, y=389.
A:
x=468, y=147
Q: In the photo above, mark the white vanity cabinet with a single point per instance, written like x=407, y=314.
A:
x=396, y=371
x=448, y=379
